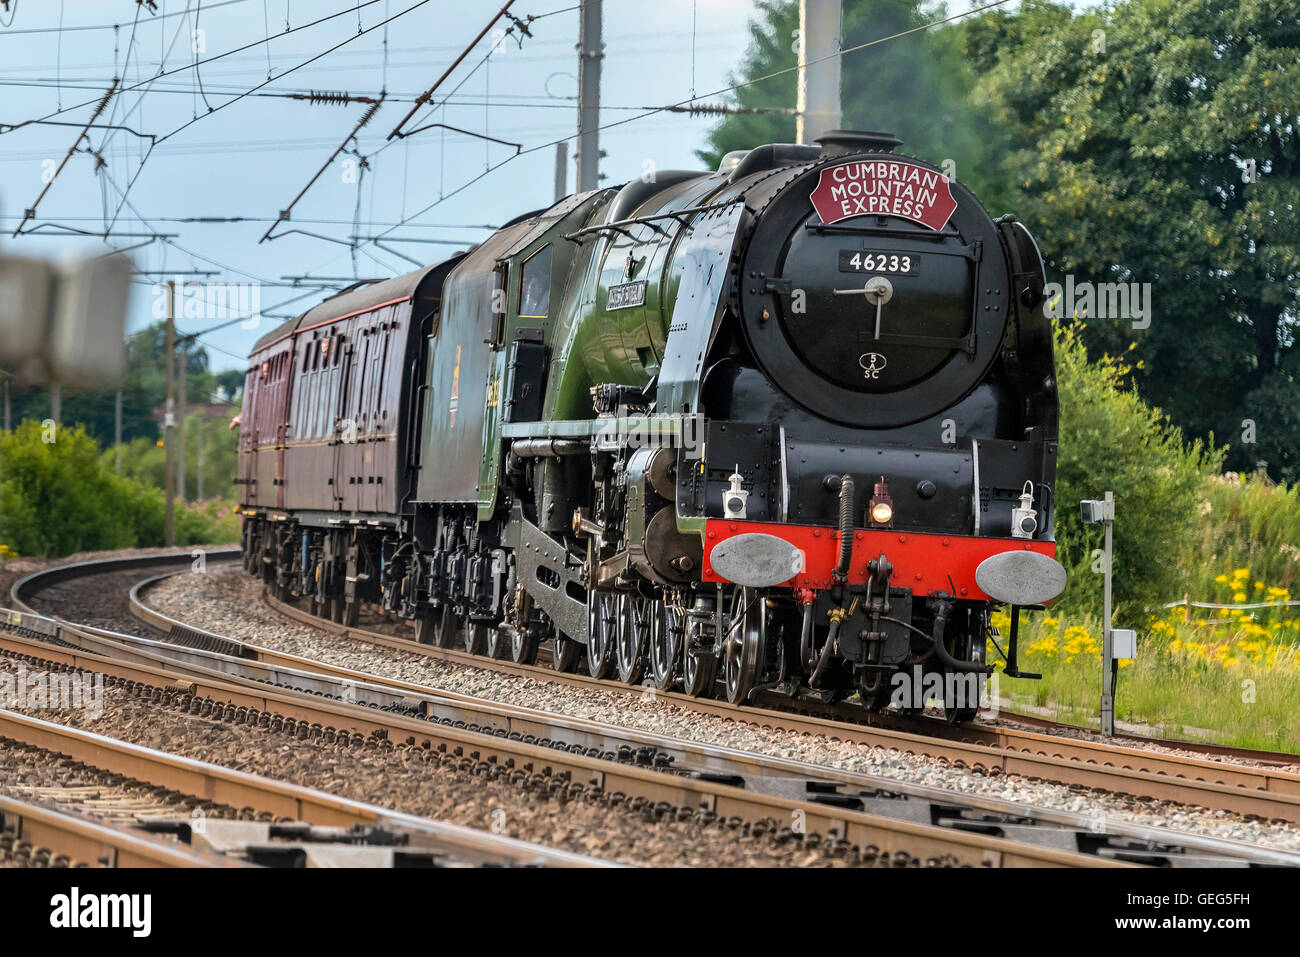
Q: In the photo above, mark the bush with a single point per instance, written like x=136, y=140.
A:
x=59, y=497
x=142, y=460
x=1111, y=439
x=210, y=522
x=1246, y=522
x=145, y=459
x=56, y=499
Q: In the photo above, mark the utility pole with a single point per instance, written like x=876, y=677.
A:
x=117, y=433
x=590, y=53
x=198, y=445
x=169, y=415
x=56, y=403
x=818, y=105
x=561, y=170
x=182, y=393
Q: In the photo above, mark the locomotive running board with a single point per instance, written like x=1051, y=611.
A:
x=547, y=574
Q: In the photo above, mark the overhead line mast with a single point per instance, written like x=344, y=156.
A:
x=818, y=105
x=590, y=53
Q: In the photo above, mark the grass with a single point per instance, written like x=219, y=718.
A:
x=1233, y=680
x=1228, y=675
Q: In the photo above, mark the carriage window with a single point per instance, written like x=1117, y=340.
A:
x=535, y=285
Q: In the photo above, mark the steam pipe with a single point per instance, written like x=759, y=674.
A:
x=805, y=636
x=846, y=528
x=940, y=626
x=826, y=648
x=550, y=448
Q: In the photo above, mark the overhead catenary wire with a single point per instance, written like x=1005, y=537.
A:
x=227, y=220
x=383, y=231
x=686, y=102
x=221, y=56
x=285, y=213
x=236, y=99
x=112, y=26
x=30, y=213
x=428, y=94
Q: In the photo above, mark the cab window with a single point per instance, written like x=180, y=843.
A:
x=535, y=285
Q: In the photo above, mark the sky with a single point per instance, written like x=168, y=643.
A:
x=249, y=157
x=217, y=155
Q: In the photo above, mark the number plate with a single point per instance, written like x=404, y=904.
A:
x=874, y=261
x=626, y=295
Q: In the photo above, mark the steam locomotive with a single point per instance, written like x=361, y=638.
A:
x=784, y=428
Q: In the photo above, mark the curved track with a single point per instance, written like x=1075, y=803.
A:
x=229, y=691
x=217, y=655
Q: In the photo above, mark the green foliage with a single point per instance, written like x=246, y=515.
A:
x=1246, y=522
x=210, y=522
x=142, y=460
x=145, y=460
x=1182, y=696
x=61, y=496
x=1128, y=133
x=220, y=446
x=56, y=499
x=144, y=390
x=1111, y=439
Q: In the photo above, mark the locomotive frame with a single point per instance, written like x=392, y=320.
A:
x=611, y=427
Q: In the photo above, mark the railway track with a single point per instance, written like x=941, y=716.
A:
x=1268, y=788
x=36, y=834
x=226, y=817
x=217, y=659
x=1024, y=733
x=709, y=797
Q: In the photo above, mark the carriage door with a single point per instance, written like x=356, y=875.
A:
x=379, y=446
x=280, y=369
x=248, y=435
x=353, y=446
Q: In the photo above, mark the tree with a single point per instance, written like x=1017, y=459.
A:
x=915, y=86
x=1158, y=142
x=144, y=390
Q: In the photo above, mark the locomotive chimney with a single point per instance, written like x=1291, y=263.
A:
x=846, y=142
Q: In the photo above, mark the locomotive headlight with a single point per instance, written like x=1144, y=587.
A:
x=881, y=509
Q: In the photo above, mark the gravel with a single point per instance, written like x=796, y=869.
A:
x=413, y=780
x=227, y=601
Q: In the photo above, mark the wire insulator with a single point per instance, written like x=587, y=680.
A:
x=332, y=98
